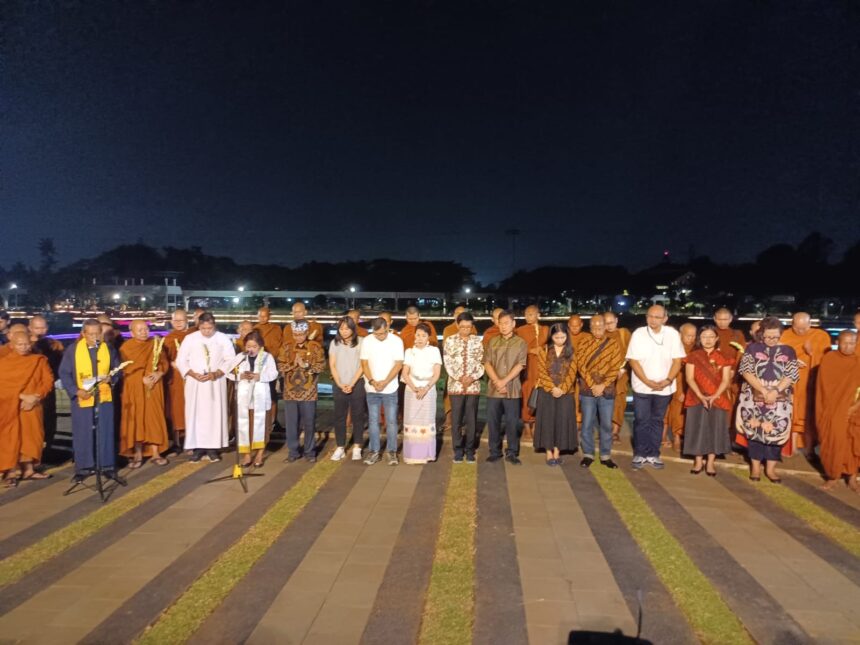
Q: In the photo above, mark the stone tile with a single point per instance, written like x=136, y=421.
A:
x=551, y=612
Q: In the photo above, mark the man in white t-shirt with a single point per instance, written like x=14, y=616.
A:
x=381, y=359
x=654, y=353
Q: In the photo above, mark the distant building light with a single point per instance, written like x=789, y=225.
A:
x=352, y=289
x=13, y=286
x=241, y=288
x=622, y=303
x=116, y=296
x=143, y=298
x=235, y=300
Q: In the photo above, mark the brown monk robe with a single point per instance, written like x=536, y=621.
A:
x=676, y=414
x=407, y=334
x=493, y=331
x=270, y=332
x=622, y=335
x=810, y=344
x=25, y=379
x=355, y=314
x=143, y=424
x=53, y=351
x=174, y=383
x=536, y=336
x=730, y=340
x=577, y=337
x=315, y=330
x=837, y=388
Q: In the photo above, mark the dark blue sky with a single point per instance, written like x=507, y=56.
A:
x=285, y=132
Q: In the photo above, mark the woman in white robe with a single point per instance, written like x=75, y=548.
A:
x=252, y=370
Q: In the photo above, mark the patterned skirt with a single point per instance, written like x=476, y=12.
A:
x=419, y=427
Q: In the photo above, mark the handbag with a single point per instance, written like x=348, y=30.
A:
x=533, y=397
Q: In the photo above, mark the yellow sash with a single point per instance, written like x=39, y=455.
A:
x=84, y=369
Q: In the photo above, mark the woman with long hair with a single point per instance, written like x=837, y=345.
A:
x=555, y=418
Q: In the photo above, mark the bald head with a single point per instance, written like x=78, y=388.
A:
x=496, y=313
x=656, y=317
x=688, y=335
x=847, y=342
x=531, y=314
x=244, y=328
x=611, y=321
x=38, y=327
x=20, y=342
x=179, y=320
x=574, y=324
x=857, y=321
x=597, y=326
x=299, y=310
x=105, y=319
x=17, y=328
x=723, y=318
x=355, y=314
x=263, y=315
x=800, y=323
x=386, y=316
x=457, y=311
x=139, y=330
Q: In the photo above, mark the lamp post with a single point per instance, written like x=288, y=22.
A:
x=14, y=287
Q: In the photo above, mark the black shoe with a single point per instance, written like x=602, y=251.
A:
x=608, y=463
x=291, y=459
x=197, y=456
x=119, y=479
x=213, y=456
x=513, y=459
x=586, y=462
x=79, y=478
x=311, y=459
x=494, y=458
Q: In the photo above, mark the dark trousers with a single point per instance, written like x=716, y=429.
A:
x=648, y=413
x=82, y=437
x=354, y=403
x=464, y=412
x=300, y=414
x=510, y=408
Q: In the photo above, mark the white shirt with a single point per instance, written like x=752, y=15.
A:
x=381, y=355
x=421, y=362
x=655, y=352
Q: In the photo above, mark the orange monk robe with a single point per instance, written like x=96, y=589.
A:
x=491, y=333
x=272, y=335
x=803, y=414
x=315, y=333
x=5, y=350
x=407, y=334
x=536, y=337
x=174, y=383
x=836, y=387
x=676, y=414
x=622, y=335
x=142, y=419
x=21, y=431
x=726, y=338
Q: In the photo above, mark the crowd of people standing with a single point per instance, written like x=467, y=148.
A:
x=709, y=387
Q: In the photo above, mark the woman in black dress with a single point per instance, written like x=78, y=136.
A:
x=555, y=421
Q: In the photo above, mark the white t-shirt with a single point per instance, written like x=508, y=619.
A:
x=655, y=352
x=381, y=355
x=421, y=362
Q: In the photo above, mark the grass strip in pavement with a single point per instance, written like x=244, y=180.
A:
x=18, y=565
x=709, y=616
x=184, y=617
x=826, y=523
x=449, y=607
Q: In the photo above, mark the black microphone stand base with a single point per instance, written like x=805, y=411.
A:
x=238, y=473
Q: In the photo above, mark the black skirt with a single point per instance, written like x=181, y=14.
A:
x=555, y=423
x=706, y=432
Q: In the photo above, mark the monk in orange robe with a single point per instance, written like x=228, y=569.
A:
x=53, y=351
x=493, y=331
x=675, y=413
x=25, y=380
x=536, y=336
x=731, y=345
x=622, y=335
x=810, y=344
x=315, y=330
x=143, y=425
x=407, y=334
x=837, y=388
x=174, y=383
x=270, y=332
x=355, y=314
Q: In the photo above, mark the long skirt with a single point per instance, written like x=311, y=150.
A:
x=705, y=432
x=419, y=427
x=555, y=423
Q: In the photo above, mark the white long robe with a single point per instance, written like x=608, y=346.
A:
x=253, y=395
x=205, y=403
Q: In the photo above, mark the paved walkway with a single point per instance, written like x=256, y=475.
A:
x=553, y=557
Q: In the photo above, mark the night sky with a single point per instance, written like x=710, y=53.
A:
x=287, y=132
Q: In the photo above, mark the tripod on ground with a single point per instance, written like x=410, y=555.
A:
x=238, y=471
x=99, y=486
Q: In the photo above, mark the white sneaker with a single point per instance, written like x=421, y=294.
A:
x=356, y=453
x=339, y=454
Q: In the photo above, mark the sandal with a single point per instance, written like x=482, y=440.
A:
x=159, y=461
x=258, y=464
x=133, y=465
x=10, y=482
x=37, y=475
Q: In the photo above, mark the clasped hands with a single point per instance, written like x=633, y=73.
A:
x=203, y=378
x=249, y=376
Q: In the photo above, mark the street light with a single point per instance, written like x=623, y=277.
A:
x=235, y=301
x=467, y=289
x=241, y=288
x=13, y=287
x=352, y=289
x=116, y=296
